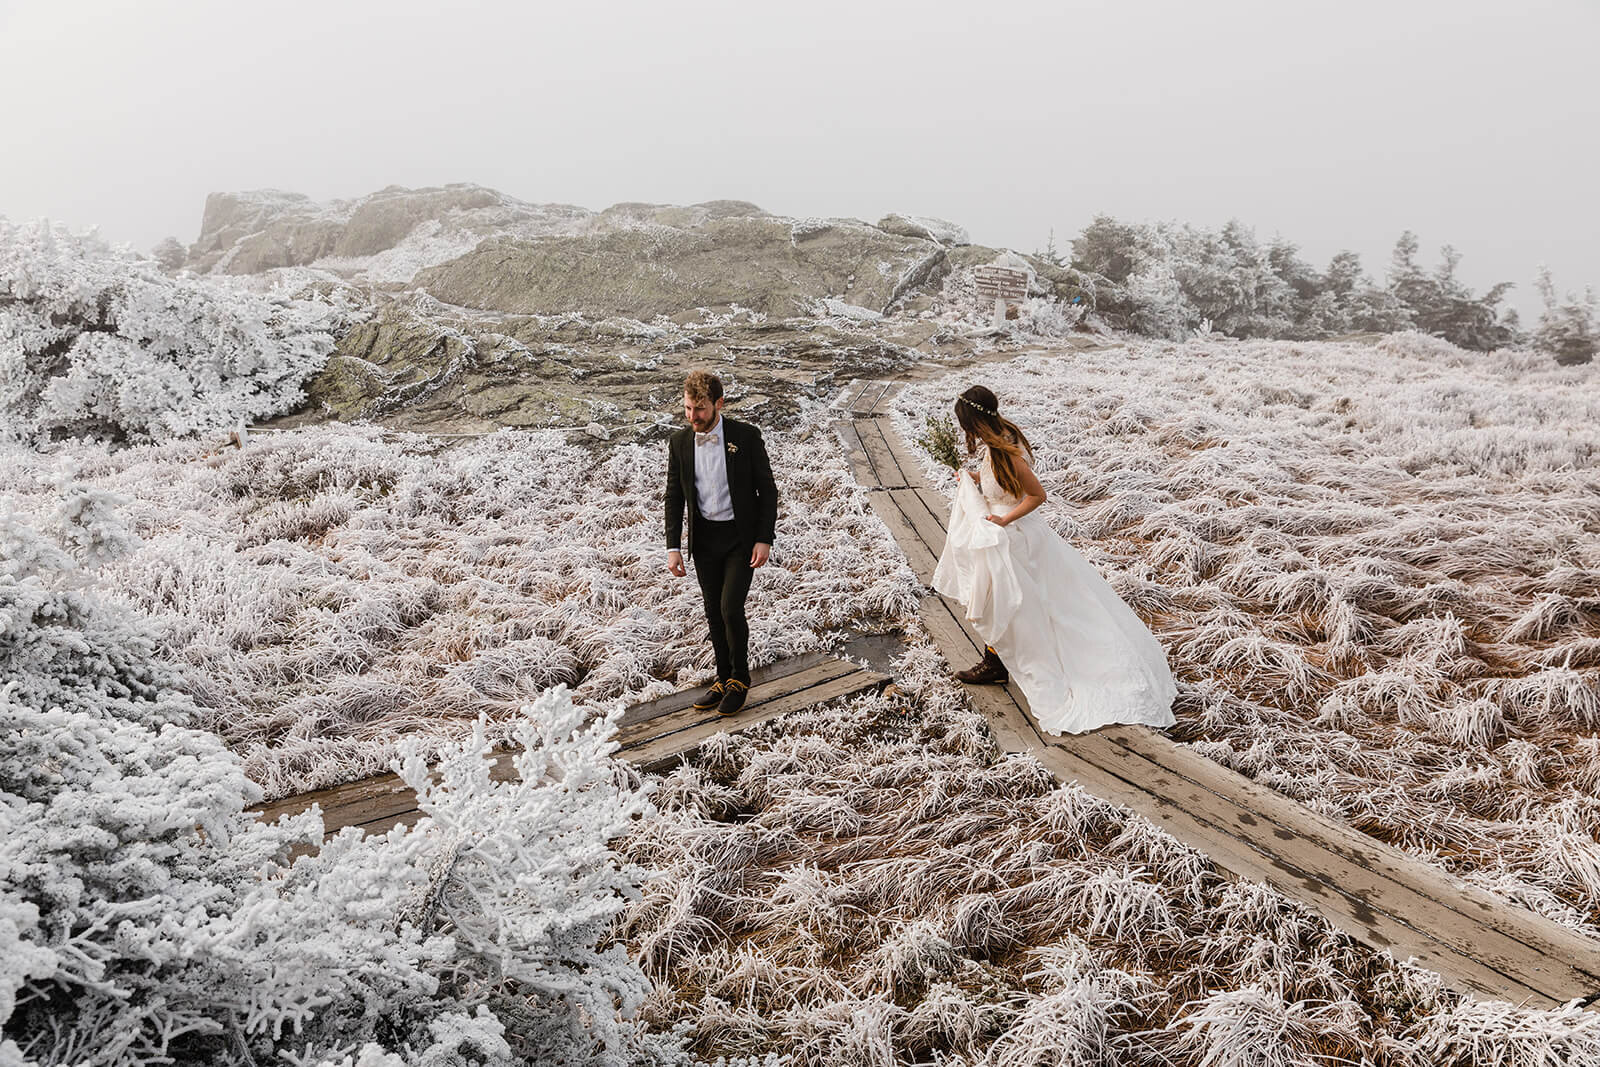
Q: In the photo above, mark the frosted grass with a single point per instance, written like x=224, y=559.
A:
x=876, y=883
x=1375, y=569
x=336, y=589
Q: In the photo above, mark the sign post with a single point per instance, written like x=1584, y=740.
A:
x=1004, y=284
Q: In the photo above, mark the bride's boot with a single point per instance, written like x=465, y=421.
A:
x=987, y=671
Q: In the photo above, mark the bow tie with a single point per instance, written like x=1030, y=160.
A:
x=705, y=438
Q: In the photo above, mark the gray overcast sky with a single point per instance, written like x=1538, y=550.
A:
x=1335, y=124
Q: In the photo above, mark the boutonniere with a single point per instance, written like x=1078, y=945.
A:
x=733, y=449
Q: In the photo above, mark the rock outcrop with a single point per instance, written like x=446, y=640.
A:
x=929, y=229
x=476, y=247
x=261, y=230
x=415, y=365
x=490, y=311
x=247, y=233
x=758, y=262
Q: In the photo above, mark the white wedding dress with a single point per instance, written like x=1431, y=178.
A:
x=1081, y=656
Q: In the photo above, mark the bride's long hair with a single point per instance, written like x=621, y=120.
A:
x=978, y=412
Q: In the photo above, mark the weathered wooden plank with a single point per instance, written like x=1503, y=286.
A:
x=856, y=453
x=347, y=811
x=387, y=802
x=653, y=753
x=380, y=792
x=382, y=824
x=937, y=505
x=922, y=559
x=905, y=454
x=885, y=464
x=880, y=406
x=869, y=397
x=920, y=519
x=951, y=635
x=759, y=677
x=1243, y=859
x=635, y=733
x=1013, y=730
x=1541, y=938
x=1392, y=909
x=384, y=796
x=852, y=393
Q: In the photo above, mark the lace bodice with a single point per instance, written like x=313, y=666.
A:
x=993, y=495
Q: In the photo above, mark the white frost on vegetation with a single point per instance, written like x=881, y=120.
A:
x=1375, y=569
x=148, y=917
x=878, y=884
x=336, y=589
x=96, y=341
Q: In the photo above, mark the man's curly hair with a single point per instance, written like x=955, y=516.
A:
x=703, y=385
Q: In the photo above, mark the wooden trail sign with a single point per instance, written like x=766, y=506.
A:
x=1003, y=285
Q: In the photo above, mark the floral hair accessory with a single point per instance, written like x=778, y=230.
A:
x=977, y=407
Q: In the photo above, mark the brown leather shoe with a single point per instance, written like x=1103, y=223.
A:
x=711, y=699
x=987, y=671
x=733, y=694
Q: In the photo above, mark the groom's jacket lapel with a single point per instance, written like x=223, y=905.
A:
x=686, y=465
x=732, y=435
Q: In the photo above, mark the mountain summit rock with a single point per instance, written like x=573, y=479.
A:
x=475, y=247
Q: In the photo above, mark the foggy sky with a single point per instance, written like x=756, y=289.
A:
x=1335, y=124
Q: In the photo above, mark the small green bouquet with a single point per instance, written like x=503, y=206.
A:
x=938, y=439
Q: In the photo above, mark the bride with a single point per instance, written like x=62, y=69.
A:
x=1081, y=656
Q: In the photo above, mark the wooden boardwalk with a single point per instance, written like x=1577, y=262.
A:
x=1378, y=894
x=652, y=736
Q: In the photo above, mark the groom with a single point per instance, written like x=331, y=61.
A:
x=718, y=468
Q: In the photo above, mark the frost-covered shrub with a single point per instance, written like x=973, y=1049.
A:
x=98, y=342
x=147, y=917
x=1043, y=317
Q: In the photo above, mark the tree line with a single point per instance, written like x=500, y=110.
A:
x=1170, y=280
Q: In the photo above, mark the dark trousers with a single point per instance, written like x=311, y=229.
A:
x=722, y=564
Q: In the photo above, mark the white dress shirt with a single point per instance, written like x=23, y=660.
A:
x=711, y=476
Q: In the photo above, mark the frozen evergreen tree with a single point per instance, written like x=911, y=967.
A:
x=1165, y=280
x=1408, y=281
x=1348, y=300
x=1128, y=267
x=1568, y=329
x=147, y=917
x=1439, y=304
x=99, y=342
x=1051, y=254
x=1111, y=249
x=170, y=254
x=1241, y=287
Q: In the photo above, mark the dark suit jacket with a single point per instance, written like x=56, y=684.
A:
x=750, y=483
